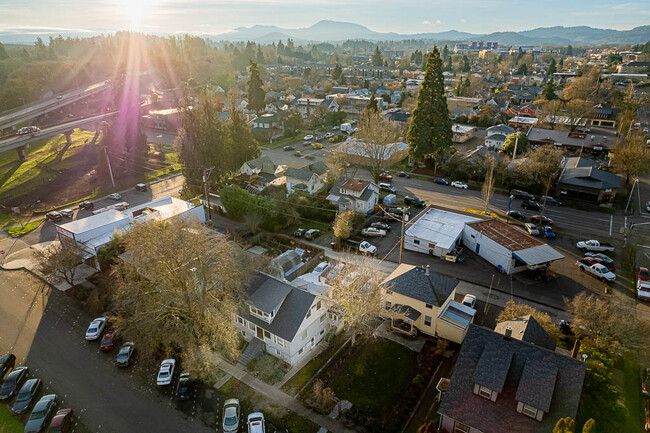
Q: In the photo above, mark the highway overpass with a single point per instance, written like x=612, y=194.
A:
x=19, y=142
x=21, y=115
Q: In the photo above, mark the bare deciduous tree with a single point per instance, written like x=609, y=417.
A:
x=487, y=190
x=178, y=291
x=542, y=166
x=59, y=261
x=631, y=156
x=514, y=310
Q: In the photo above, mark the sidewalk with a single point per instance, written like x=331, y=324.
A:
x=281, y=398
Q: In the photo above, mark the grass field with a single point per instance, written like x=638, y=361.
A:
x=24, y=229
x=8, y=423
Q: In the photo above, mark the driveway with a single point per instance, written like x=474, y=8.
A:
x=45, y=329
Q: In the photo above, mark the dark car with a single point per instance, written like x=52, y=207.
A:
x=62, y=422
x=517, y=193
x=516, y=214
x=287, y=148
x=108, y=342
x=645, y=386
x=548, y=232
x=299, y=233
x=141, y=187
x=7, y=362
x=403, y=174
x=125, y=355
x=183, y=388
x=414, y=201
x=87, y=205
x=550, y=200
x=13, y=383
x=441, y=181
x=26, y=396
x=312, y=234
x=380, y=225
x=54, y=216
x=529, y=204
x=542, y=220
x=41, y=415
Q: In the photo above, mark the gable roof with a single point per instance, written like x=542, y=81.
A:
x=269, y=293
x=264, y=163
x=414, y=283
x=493, y=365
x=307, y=171
x=501, y=416
x=526, y=328
x=581, y=172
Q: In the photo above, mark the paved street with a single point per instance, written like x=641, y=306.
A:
x=46, y=330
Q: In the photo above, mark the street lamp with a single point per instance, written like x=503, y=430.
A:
x=509, y=206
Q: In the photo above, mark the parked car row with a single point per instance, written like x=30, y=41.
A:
x=25, y=391
x=307, y=233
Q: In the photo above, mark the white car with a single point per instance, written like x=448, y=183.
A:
x=322, y=267
x=166, y=372
x=115, y=196
x=309, y=137
x=96, y=328
x=256, y=423
x=459, y=184
x=372, y=231
x=532, y=229
x=469, y=301
x=643, y=290
x=231, y=411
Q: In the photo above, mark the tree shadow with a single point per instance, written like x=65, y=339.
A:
x=7, y=175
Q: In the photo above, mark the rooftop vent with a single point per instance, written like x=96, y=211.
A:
x=508, y=333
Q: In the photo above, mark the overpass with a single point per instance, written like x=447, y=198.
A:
x=19, y=142
x=20, y=115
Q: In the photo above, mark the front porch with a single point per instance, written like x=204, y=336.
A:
x=403, y=318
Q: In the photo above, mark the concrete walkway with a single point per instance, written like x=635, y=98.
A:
x=281, y=398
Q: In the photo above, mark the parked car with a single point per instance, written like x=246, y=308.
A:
x=166, y=372
x=647, y=207
x=322, y=267
x=329, y=135
x=642, y=274
x=532, y=229
x=7, y=362
x=371, y=231
x=96, y=328
x=516, y=214
x=53, y=216
x=125, y=355
x=380, y=225
x=336, y=128
x=299, y=232
x=26, y=396
x=309, y=137
x=307, y=143
x=287, y=148
x=542, y=220
x=13, y=382
x=122, y=206
x=597, y=270
x=387, y=187
x=459, y=184
x=548, y=232
x=256, y=423
x=62, y=421
x=602, y=256
x=108, y=342
x=440, y=181
x=643, y=290
x=645, y=385
x=28, y=130
x=414, y=201
x=529, y=204
x=68, y=213
x=593, y=260
x=231, y=416
x=517, y=193
x=594, y=245
x=469, y=301
x=385, y=176
x=550, y=200
x=40, y=416
x=404, y=174
x=312, y=234
x=183, y=387
x=115, y=196
x=87, y=205
x=141, y=187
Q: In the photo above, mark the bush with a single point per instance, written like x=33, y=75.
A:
x=337, y=138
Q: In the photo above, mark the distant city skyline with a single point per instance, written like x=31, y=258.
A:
x=215, y=17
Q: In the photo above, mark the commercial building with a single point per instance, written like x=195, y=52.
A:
x=436, y=232
x=581, y=180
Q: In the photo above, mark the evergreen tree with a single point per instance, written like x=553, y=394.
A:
x=242, y=144
x=549, y=90
x=372, y=104
x=569, y=50
x=552, y=68
x=450, y=67
x=376, y=58
x=3, y=52
x=256, y=94
x=561, y=62
x=280, y=49
x=337, y=72
x=445, y=52
x=466, y=67
x=522, y=69
x=430, y=131
x=25, y=54
x=259, y=56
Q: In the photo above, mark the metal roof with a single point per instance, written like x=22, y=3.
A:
x=537, y=255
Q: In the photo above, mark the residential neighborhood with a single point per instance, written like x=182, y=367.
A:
x=253, y=218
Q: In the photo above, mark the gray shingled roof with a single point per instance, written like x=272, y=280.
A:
x=493, y=365
x=269, y=294
x=582, y=172
x=432, y=289
x=501, y=416
x=526, y=328
x=264, y=163
x=537, y=383
x=291, y=314
x=306, y=172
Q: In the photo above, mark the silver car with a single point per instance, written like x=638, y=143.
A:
x=532, y=229
x=231, y=412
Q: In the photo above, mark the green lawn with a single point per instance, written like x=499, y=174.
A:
x=284, y=141
x=277, y=415
x=5, y=220
x=24, y=229
x=631, y=393
x=374, y=375
x=8, y=423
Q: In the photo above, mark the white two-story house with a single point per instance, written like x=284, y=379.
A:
x=289, y=321
x=349, y=193
x=309, y=178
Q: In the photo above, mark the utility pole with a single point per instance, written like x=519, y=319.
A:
x=514, y=154
x=401, y=239
x=206, y=176
x=110, y=170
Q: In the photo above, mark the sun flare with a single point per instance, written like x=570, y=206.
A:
x=136, y=10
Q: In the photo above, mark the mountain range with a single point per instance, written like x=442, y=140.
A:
x=334, y=31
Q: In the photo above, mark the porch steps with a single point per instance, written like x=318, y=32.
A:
x=253, y=350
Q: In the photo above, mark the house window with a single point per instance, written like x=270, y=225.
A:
x=461, y=428
x=240, y=320
x=308, y=314
x=251, y=326
x=484, y=392
x=429, y=306
x=304, y=334
x=300, y=351
x=322, y=331
x=277, y=352
x=267, y=334
x=416, y=241
x=322, y=318
x=529, y=411
x=427, y=320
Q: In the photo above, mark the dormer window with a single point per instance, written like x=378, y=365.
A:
x=530, y=411
x=261, y=314
x=485, y=392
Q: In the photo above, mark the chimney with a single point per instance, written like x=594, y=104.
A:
x=508, y=333
x=576, y=349
x=426, y=270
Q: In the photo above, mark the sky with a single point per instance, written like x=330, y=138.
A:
x=219, y=16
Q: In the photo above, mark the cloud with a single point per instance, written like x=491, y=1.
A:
x=463, y=20
x=427, y=22
x=438, y=22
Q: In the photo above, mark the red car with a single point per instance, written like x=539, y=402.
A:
x=62, y=422
x=108, y=342
x=642, y=274
x=385, y=176
x=542, y=220
x=594, y=260
x=307, y=143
